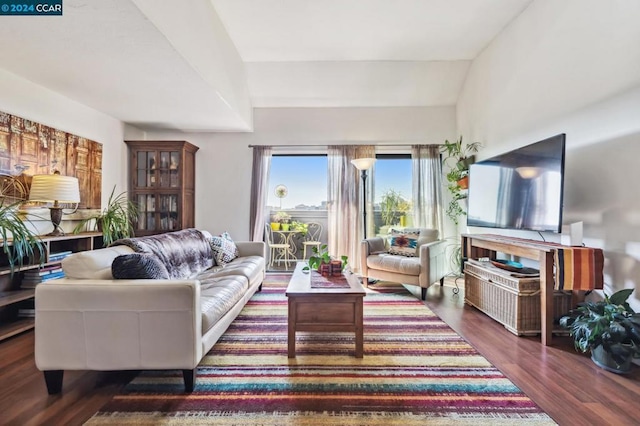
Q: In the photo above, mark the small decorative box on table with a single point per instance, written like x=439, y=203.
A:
x=510, y=298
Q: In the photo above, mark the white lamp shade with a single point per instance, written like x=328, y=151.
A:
x=363, y=163
x=51, y=188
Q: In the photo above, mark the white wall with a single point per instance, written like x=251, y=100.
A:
x=223, y=163
x=28, y=100
x=571, y=67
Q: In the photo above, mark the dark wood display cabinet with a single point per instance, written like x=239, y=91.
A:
x=162, y=185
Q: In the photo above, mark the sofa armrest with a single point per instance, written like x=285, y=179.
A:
x=370, y=246
x=251, y=248
x=118, y=324
x=432, y=262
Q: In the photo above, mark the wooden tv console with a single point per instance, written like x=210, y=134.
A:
x=475, y=246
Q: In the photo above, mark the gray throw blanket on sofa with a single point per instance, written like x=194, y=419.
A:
x=184, y=253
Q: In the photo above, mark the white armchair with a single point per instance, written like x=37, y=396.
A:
x=426, y=267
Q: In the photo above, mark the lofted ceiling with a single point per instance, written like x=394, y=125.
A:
x=203, y=65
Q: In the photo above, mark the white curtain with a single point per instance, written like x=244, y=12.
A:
x=259, y=190
x=342, y=207
x=344, y=216
x=427, y=187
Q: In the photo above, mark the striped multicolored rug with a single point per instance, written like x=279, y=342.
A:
x=415, y=370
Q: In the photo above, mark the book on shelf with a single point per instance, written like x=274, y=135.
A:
x=32, y=282
x=43, y=271
x=26, y=312
x=39, y=278
x=59, y=255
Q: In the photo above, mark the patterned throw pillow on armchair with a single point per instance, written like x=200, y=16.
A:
x=403, y=243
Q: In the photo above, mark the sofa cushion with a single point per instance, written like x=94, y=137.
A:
x=394, y=263
x=404, y=243
x=250, y=267
x=218, y=295
x=136, y=266
x=94, y=264
x=223, y=248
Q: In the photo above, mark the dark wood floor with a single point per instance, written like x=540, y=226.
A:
x=564, y=383
x=567, y=385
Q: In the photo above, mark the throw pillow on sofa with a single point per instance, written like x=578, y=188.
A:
x=403, y=243
x=224, y=249
x=135, y=266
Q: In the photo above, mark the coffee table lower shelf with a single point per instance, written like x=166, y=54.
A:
x=322, y=313
x=324, y=309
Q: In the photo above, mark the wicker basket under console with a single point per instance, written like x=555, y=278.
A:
x=510, y=299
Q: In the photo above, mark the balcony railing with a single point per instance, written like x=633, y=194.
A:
x=320, y=216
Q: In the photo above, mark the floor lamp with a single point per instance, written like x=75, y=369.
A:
x=364, y=164
x=56, y=189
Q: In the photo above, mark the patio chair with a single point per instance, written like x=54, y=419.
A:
x=312, y=239
x=277, y=251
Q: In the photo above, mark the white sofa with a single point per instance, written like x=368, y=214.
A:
x=425, y=268
x=90, y=321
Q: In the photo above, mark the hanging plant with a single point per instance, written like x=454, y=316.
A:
x=458, y=157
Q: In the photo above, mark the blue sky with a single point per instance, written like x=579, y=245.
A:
x=306, y=179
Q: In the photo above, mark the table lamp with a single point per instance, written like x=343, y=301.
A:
x=55, y=189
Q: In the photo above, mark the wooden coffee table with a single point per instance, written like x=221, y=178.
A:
x=324, y=309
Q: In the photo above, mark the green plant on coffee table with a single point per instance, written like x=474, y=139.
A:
x=610, y=324
x=320, y=256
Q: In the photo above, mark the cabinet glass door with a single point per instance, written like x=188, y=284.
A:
x=146, y=168
x=169, y=165
x=146, y=212
x=168, y=212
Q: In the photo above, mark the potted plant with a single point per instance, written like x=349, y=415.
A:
x=393, y=207
x=115, y=221
x=285, y=224
x=609, y=329
x=281, y=219
x=25, y=243
x=321, y=256
x=302, y=228
x=458, y=157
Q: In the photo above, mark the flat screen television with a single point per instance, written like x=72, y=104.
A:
x=521, y=189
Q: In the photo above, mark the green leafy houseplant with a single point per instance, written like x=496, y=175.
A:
x=609, y=328
x=116, y=220
x=302, y=228
x=458, y=157
x=25, y=244
x=320, y=256
x=393, y=206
